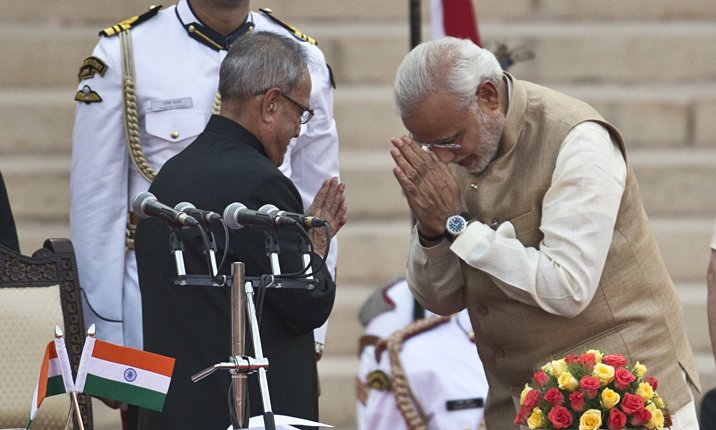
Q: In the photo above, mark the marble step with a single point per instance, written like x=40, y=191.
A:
x=107, y=12
x=620, y=52
x=649, y=116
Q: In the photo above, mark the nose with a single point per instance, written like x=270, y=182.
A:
x=445, y=155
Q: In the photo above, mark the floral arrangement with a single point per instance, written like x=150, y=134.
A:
x=592, y=391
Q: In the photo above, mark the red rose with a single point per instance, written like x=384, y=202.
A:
x=540, y=378
x=531, y=399
x=560, y=417
x=522, y=415
x=571, y=359
x=553, y=396
x=614, y=360
x=587, y=360
x=590, y=385
x=576, y=400
x=617, y=420
x=632, y=404
x=623, y=378
x=652, y=381
x=640, y=418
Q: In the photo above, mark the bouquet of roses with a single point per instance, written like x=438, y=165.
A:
x=592, y=391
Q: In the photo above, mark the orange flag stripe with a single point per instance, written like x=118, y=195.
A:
x=133, y=357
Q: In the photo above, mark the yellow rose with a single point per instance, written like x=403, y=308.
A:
x=658, y=401
x=639, y=369
x=567, y=382
x=590, y=420
x=536, y=420
x=657, y=417
x=645, y=391
x=597, y=355
x=610, y=398
x=557, y=367
x=603, y=372
x=524, y=393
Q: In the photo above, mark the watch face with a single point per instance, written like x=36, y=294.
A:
x=456, y=224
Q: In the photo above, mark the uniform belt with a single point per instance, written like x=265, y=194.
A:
x=132, y=220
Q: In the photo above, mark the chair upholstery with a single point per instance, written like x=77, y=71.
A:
x=37, y=293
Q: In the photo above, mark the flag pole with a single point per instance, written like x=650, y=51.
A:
x=68, y=424
x=77, y=410
x=73, y=395
x=415, y=20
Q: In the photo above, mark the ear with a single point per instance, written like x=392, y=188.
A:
x=488, y=97
x=269, y=103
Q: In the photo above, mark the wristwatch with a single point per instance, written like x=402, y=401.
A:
x=455, y=225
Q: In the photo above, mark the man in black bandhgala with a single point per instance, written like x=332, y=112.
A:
x=264, y=85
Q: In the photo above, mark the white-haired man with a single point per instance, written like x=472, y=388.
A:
x=529, y=215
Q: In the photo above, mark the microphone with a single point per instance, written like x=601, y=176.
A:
x=292, y=218
x=206, y=217
x=146, y=205
x=238, y=216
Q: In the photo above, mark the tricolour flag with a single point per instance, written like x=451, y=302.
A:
x=124, y=374
x=55, y=376
x=454, y=18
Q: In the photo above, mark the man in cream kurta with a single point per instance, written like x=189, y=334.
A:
x=548, y=245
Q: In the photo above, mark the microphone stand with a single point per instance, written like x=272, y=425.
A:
x=272, y=250
x=305, y=251
x=242, y=307
x=178, y=251
x=212, y=251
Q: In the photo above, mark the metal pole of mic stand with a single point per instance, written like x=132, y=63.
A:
x=178, y=251
x=269, y=422
x=272, y=250
x=238, y=332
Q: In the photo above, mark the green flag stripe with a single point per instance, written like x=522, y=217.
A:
x=55, y=385
x=124, y=392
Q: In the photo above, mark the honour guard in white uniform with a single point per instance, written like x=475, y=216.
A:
x=146, y=92
x=423, y=374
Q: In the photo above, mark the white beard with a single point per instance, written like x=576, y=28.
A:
x=489, y=135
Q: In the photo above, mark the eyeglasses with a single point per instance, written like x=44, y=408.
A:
x=306, y=112
x=449, y=145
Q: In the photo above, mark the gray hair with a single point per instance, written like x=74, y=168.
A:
x=457, y=66
x=259, y=61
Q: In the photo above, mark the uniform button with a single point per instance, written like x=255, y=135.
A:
x=174, y=134
x=191, y=29
x=495, y=222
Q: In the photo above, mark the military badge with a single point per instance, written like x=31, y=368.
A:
x=87, y=95
x=89, y=67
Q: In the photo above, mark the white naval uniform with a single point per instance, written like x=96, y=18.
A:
x=169, y=66
x=445, y=376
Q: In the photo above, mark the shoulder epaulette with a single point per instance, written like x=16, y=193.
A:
x=293, y=30
x=378, y=303
x=130, y=23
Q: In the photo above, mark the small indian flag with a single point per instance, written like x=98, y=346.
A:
x=124, y=374
x=51, y=381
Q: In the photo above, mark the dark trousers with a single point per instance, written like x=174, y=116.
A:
x=708, y=410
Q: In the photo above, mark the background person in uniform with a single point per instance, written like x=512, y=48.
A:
x=386, y=311
x=8, y=233
x=445, y=385
x=708, y=402
x=265, y=88
x=529, y=215
x=176, y=54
